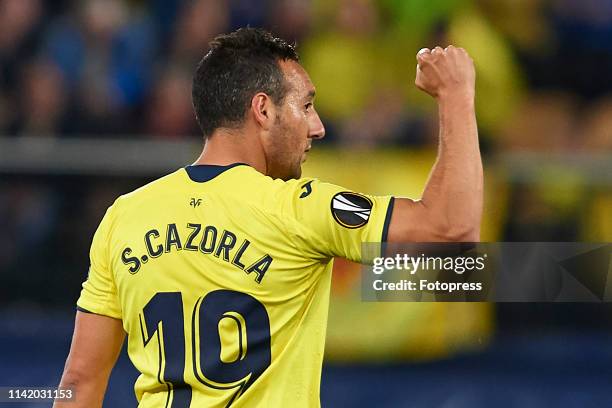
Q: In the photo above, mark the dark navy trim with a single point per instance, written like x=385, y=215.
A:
x=205, y=172
x=387, y=220
x=80, y=309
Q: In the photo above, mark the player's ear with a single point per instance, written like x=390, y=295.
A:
x=263, y=110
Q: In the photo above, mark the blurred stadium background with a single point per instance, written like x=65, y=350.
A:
x=95, y=101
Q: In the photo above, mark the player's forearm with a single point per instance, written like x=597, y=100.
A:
x=88, y=391
x=454, y=193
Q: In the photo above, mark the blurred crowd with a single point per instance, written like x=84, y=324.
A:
x=116, y=67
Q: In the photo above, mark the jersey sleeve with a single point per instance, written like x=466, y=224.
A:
x=99, y=293
x=330, y=221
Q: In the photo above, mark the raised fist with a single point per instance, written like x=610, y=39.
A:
x=445, y=72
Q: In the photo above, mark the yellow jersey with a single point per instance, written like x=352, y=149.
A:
x=221, y=277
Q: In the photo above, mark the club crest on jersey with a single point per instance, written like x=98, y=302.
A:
x=351, y=210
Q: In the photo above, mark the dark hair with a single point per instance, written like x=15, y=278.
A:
x=238, y=66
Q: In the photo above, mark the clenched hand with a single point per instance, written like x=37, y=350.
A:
x=445, y=72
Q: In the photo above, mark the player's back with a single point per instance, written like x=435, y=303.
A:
x=222, y=285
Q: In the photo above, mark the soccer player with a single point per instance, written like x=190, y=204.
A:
x=220, y=272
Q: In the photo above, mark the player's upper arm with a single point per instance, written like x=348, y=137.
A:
x=413, y=221
x=327, y=220
x=96, y=344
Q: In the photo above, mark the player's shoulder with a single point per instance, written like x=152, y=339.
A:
x=278, y=190
x=309, y=192
x=151, y=191
x=306, y=187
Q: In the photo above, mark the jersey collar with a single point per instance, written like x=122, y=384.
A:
x=205, y=172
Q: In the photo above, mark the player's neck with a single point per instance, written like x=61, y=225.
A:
x=225, y=147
